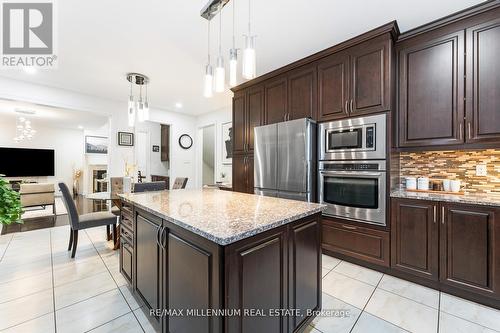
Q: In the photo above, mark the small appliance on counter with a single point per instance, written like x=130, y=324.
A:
x=285, y=160
x=352, y=168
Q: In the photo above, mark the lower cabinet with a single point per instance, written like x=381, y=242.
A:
x=149, y=262
x=457, y=245
x=243, y=173
x=362, y=243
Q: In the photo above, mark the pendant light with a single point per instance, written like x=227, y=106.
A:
x=233, y=57
x=220, y=73
x=131, y=108
x=249, y=66
x=146, y=106
x=207, y=89
x=140, y=106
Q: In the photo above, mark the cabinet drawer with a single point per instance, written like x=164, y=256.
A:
x=127, y=222
x=126, y=212
x=357, y=242
x=127, y=234
x=126, y=255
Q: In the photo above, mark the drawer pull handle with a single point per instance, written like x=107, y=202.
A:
x=348, y=227
x=435, y=214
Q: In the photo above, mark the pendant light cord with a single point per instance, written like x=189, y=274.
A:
x=208, y=43
x=234, y=5
x=220, y=30
x=249, y=18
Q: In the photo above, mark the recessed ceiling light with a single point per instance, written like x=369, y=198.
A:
x=80, y=127
x=178, y=105
x=30, y=69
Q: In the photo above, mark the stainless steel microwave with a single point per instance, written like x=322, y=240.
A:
x=353, y=139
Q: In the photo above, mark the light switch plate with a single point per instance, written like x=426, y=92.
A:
x=481, y=170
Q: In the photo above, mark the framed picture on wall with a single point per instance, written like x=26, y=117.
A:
x=96, y=144
x=227, y=143
x=125, y=139
x=156, y=149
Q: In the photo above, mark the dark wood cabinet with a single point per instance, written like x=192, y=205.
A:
x=148, y=260
x=165, y=143
x=363, y=243
x=370, y=81
x=239, y=122
x=333, y=86
x=356, y=81
x=483, y=83
x=243, y=173
x=255, y=113
x=414, y=237
x=302, y=93
x=275, y=100
x=431, y=91
x=453, y=246
x=470, y=248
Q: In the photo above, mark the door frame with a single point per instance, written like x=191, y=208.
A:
x=199, y=153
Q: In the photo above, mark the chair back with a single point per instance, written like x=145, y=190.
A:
x=70, y=205
x=151, y=186
x=179, y=183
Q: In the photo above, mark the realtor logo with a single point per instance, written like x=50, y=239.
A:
x=28, y=34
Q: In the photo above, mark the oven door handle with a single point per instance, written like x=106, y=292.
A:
x=360, y=174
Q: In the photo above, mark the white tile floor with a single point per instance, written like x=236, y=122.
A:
x=42, y=289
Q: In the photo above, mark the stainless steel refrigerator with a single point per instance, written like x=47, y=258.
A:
x=285, y=160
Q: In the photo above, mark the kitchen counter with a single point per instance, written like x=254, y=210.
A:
x=474, y=199
x=213, y=251
x=221, y=216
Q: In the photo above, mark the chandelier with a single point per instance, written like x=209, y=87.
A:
x=217, y=83
x=24, y=131
x=139, y=109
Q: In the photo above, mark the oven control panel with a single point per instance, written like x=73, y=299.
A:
x=351, y=166
x=370, y=137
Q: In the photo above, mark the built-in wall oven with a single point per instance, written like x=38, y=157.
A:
x=353, y=139
x=352, y=168
x=354, y=190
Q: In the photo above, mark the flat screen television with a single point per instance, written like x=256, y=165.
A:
x=25, y=162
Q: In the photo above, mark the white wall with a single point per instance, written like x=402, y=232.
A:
x=156, y=166
x=216, y=118
x=67, y=143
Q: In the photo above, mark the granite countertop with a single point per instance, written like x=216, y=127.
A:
x=221, y=216
x=475, y=199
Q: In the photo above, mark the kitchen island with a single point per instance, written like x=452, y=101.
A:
x=218, y=261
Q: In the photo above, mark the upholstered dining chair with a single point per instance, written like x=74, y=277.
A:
x=83, y=221
x=179, y=183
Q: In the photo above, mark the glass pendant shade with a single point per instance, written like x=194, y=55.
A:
x=249, y=65
x=208, y=84
x=146, y=110
x=131, y=112
x=140, y=111
x=233, y=66
x=220, y=75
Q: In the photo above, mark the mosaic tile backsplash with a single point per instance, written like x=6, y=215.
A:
x=458, y=164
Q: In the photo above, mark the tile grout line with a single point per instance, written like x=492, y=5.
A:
x=53, y=283
x=439, y=310
x=90, y=330
x=6, y=248
x=118, y=287
x=368, y=301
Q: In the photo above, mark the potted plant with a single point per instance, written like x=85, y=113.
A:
x=10, y=204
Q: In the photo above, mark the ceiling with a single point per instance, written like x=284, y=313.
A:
x=53, y=117
x=100, y=41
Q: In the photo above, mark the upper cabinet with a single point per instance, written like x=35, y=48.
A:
x=449, y=83
x=431, y=91
x=357, y=80
x=248, y=112
x=275, y=100
x=302, y=93
x=483, y=82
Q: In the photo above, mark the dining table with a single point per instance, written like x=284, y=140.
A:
x=115, y=200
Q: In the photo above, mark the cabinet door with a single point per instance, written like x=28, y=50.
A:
x=239, y=122
x=257, y=266
x=255, y=113
x=470, y=248
x=275, y=100
x=414, y=237
x=302, y=93
x=165, y=143
x=333, y=86
x=239, y=173
x=148, y=255
x=370, y=79
x=304, y=259
x=249, y=174
x=431, y=92
x=483, y=83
